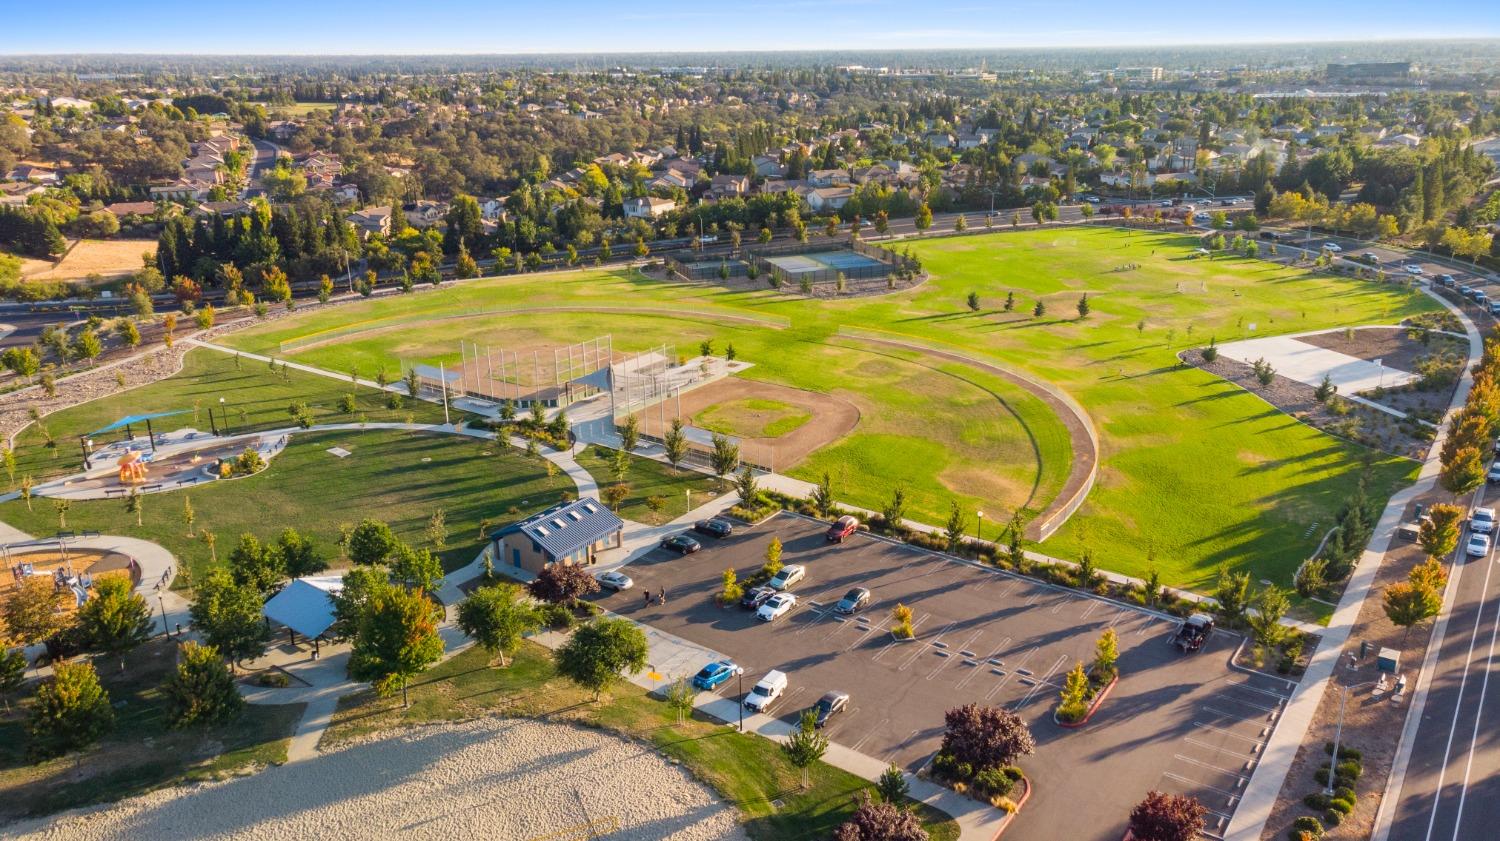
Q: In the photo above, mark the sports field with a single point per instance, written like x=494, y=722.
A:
x=1194, y=471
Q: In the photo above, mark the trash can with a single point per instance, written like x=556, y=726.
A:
x=1388, y=660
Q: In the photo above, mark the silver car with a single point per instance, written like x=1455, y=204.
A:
x=616, y=581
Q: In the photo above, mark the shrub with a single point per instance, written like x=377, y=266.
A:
x=1332, y=818
x=993, y=783
x=1343, y=807
x=1317, y=800
x=558, y=616
x=1350, y=768
x=278, y=680
x=1321, y=776
x=1305, y=824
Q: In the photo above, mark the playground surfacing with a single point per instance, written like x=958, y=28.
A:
x=182, y=458
x=59, y=567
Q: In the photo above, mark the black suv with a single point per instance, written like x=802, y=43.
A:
x=715, y=527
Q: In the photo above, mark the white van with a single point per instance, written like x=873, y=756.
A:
x=767, y=690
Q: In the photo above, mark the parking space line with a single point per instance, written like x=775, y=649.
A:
x=1120, y=617
x=895, y=642
x=1274, y=709
x=1040, y=683
x=921, y=647
x=1258, y=720
x=1189, y=760
x=1064, y=601
x=1010, y=588
x=869, y=631
x=951, y=656
x=868, y=733
x=982, y=664
x=1233, y=795
x=1246, y=685
x=1253, y=740
x=1146, y=626
x=890, y=757
x=1017, y=668
x=1219, y=749
x=1089, y=611
x=1037, y=596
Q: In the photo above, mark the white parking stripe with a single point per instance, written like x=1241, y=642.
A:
x=1189, y=760
x=1255, y=740
x=1041, y=683
x=1218, y=749
x=952, y=655
x=984, y=664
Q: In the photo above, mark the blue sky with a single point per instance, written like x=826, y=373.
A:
x=506, y=26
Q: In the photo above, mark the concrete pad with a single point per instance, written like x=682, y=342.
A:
x=1305, y=363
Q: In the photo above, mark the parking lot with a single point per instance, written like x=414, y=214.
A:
x=1180, y=723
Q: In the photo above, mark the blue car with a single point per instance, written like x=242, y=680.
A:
x=715, y=673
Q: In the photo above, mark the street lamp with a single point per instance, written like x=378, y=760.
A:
x=739, y=681
x=979, y=526
x=165, y=628
x=1339, y=729
x=224, y=415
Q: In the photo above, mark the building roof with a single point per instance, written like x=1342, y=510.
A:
x=566, y=527
x=306, y=604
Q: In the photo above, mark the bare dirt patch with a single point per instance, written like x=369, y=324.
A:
x=107, y=258
x=832, y=417
x=1391, y=345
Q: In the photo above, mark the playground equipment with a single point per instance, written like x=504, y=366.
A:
x=132, y=468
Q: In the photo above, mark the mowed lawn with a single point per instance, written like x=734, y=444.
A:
x=255, y=399
x=752, y=418
x=1194, y=472
x=392, y=475
x=680, y=490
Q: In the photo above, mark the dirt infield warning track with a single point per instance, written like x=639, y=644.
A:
x=832, y=417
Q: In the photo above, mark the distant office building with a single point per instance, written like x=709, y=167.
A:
x=1379, y=71
x=1138, y=74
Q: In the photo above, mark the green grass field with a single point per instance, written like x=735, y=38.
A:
x=392, y=475
x=255, y=399
x=1194, y=472
x=648, y=478
x=746, y=770
x=752, y=418
x=143, y=752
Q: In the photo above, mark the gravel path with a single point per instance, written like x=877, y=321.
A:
x=490, y=778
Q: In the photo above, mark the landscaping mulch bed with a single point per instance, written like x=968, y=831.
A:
x=1373, y=427
x=1391, y=345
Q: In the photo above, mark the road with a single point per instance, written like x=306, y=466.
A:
x=265, y=158
x=1451, y=788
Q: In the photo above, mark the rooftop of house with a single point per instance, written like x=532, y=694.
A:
x=566, y=527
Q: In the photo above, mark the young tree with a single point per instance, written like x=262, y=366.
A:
x=1326, y=389
x=600, y=651
x=725, y=456
x=71, y=711
x=1106, y=656
x=874, y=821
x=201, y=691
x=773, y=557
x=1429, y=574
x=1083, y=305
x=1073, y=699
x=630, y=433
x=437, y=529
x=115, y=619
x=892, y=786
x=973, y=301
x=413, y=382
x=61, y=506
x=299, y=556
x=958, y=523
x=923, y=219
x=188, y=514
x=986, y=737
x=614, y=495
x=895, y=510
x=822, y=496
x=228, y=615
x=562, y=584
x=675, y=442
x=397, y=640
x=418, y=569
x=32, y=610
x=806, y=745
x=1232, y=592
x=1439, y=531
x=1040, y=309
x=371, y=542
x=1408, y=604
x=1010, y=301
x=1464, y=472
x=133, y=505
x=1271, y=604
x=498, y=618
x=748, y=488
x=1167, y=817
x=257, y=565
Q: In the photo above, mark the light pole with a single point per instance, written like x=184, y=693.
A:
x=739, y=681
x=224, y=415
x=979, y=526
x=1338, y=731
x=165, y=628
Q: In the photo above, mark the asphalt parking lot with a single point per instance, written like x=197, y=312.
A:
x=1182, y=723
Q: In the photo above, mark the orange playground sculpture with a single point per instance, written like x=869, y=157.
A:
x=132, y=468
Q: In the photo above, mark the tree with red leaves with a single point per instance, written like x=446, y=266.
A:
x=876, y=821
x=563, y=584
x=1166, y=817
x=986, y=737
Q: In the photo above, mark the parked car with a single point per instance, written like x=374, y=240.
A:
x=1332, y=246
x=1494, y=307
x=828, y=706
x=616, y=581
x=1227, y=202
x=1478, y=546
x=715, y=673
x=1464, y=290
x=1194, y=632
x=789, y=575
x=776, y=607
x=1482, y=521
x=842, y=528
x=1445, y=280
x=853, y=601
x=1370, y=257
x=1412, y=268
x=715, y=527
x=1494, y=475
x=768, y=689
x=681, y=544
x=1482, y=300
x=755, y=597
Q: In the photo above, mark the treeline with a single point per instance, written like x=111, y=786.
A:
x=307, y=238
x=30, y=232
x=1471, y=433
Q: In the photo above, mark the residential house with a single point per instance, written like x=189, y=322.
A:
x=828, y=199
x=725, y=186
x=33, y=174
x=768, y=166
x=424, y=214
x=371, y=220
x=492, y=210
x=828, y=178
x=125, y=209
x=647, y=207
x=570, y=533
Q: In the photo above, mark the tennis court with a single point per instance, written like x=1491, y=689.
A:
x=838, y=261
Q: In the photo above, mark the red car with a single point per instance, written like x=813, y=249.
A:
x=842, y=528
